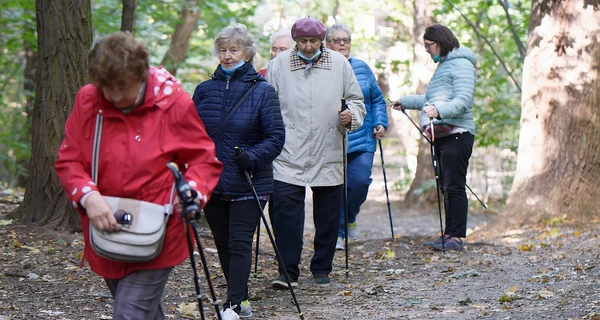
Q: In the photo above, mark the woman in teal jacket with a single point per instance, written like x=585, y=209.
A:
x=449, y=102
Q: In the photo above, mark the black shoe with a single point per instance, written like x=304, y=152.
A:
x=321, y=280
x=280, y=283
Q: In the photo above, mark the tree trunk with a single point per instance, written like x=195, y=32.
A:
x=190, y=13
x=128, y=17
x=558, y=167
x=419, y=194
x=64, y=38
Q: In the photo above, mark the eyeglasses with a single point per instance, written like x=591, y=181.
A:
x=339, y=40
x=277, y=50
x=427, y=46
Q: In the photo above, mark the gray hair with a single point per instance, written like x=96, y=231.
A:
x=282, y=33
x=236, y=34
x=337, y=27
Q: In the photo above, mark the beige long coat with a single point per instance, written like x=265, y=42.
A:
x=310, y=102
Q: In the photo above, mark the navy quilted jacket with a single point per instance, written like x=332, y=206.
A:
x=256, y=127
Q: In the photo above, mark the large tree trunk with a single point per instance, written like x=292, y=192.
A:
x=180, y=43
x=64, y=38
x=419, y=194
x=128, y=17
x=558, y=167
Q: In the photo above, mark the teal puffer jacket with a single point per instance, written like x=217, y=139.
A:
x=451, y=90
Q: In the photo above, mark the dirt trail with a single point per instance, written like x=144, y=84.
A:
x=548, y=271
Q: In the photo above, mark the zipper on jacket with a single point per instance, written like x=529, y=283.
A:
x=227, y=85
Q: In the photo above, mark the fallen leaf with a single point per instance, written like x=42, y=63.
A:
x=188, y=309
x=5, y=222
x=525, y=247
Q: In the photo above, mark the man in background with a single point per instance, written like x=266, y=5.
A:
x=280, y=41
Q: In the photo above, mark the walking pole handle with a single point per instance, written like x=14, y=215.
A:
x=344, y=105
x=185, y=192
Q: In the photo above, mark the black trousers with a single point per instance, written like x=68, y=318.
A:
x=288, y=214
x=453, y=153
x=233, y=224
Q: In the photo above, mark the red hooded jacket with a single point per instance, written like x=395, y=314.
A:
x=134, y=151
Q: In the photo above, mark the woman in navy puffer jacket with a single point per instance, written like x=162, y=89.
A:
x=256, y=128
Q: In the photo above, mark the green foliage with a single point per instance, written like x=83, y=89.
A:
x=497, y=98
x=381, y=34
x=17, y=18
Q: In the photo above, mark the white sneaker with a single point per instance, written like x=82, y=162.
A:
x=353, y=231
x=245, y=311
x=229, y=314
x=339, y=244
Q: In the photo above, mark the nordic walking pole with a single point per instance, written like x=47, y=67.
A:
x=345, y=194
x=387, y=195
x=428, y=140
x=187, y=195
x=437, y=181
x=277, y=254
x=256, y=251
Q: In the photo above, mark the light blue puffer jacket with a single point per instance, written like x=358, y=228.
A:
x=451, y=90
x=362, y=139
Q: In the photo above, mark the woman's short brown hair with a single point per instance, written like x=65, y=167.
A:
x=443, y=36
x=116, y=59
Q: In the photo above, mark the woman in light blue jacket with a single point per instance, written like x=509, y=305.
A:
x=449, y=102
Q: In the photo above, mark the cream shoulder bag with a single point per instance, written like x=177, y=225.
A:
x=144, y=224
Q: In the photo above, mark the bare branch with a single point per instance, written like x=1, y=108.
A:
x=513, y=31
x=489, y=44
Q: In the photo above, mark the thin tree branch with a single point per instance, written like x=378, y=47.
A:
x=513, y=31
x=489, y=44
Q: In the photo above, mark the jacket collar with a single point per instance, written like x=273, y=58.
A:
x=245, y=73
x=296, y=63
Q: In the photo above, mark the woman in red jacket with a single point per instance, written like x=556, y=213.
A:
x=149, y=120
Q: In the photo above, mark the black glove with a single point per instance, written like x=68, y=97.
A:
x=242, y=161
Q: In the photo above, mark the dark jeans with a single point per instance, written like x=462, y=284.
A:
x=138, y=295
x=360, y=165
x=233, y=224
x=288, y=225
x=453, y=153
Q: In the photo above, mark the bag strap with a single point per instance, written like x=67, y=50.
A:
x=95, y=155
x=237, y=105
x=96, y=147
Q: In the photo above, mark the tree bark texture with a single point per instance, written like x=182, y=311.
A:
x=558, y=164
x=64, y=38
x=128, y=17
x=180, y=43
x=419, y=195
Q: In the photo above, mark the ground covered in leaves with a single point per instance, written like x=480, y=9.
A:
x=548, y=271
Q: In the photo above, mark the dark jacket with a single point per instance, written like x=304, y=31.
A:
x=256, y=127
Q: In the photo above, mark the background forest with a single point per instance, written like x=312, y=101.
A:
x=386, y=34
x=536, y=162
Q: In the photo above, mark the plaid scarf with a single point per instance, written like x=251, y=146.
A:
x=297, y=63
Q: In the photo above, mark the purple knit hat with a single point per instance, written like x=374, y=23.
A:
x=308, y=27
